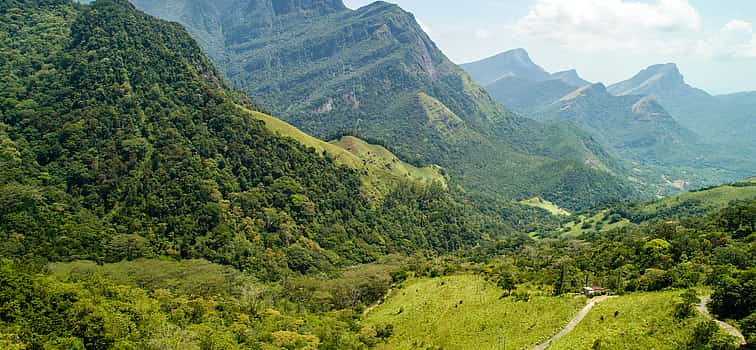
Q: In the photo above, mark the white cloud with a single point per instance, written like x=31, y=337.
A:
x=667, y=26
x=736, y=39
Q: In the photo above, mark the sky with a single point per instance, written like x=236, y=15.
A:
x=712, y=41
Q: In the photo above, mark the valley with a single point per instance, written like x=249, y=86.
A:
x=299, y=174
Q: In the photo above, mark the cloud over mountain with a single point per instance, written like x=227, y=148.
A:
x=608, y=25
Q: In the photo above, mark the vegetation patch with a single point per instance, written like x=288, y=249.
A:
x=633, y=321
x=466, y=312
x=550, y=207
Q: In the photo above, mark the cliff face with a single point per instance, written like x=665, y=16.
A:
x=326, y=68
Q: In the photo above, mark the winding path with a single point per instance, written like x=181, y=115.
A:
x=726, y=326
x=575, y=321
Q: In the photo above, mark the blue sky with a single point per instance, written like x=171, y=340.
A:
x=713, y=41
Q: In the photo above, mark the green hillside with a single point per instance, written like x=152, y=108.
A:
x=697, y=203
x=121, y=141
x=379, y=169
x=634, y=321
x=726, y=119
x=655, y=148
x=461, y=312
x=327, y=69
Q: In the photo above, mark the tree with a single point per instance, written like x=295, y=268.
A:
x=507, y=281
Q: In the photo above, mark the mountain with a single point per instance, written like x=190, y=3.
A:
x=375, y=72
x=663, y=81
x=634, y=125
x=570, y=77
x=514, y=80
x=512, y=63
x=726, y=119
x=119, y=140
x=527, y=96
x=517, y=64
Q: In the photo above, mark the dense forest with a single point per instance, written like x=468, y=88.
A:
x=143, y=207
x=326, y=68
x=120, y=141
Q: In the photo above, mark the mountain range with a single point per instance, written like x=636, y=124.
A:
x=628, y=118
x=328, y=69
x=726, y=119
x=125, y=142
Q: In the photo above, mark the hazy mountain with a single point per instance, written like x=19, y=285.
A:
x=634, y=125
x=513, y=63
x=662, y=80
x=527, y=96
x=520, y=84
x=570, y=77
x=516, y=64
x=724, y=119
x=325, y=68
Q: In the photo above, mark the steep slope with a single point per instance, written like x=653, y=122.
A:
x=570, y=77
x=326, y=69
x=635, y=127
x=663, y=81
x=720, y=119
x=119, y=141
x=520, y=84
x=512, y=63
x=517, y=64
x=527, y=96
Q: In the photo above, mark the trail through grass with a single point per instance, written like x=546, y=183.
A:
x=634, y=321
x=467, y=312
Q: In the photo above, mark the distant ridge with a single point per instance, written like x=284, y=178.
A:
x=662, y=80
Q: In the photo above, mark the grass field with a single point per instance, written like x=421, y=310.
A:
x=466, y=312
x=696, y=203
x=706, y=200
x=597, y=222
x=381, y=158
x=552, y=208
x=644, y=321
x=380, y=169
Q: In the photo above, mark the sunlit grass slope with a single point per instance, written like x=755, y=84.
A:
x=643, y=321
x=467, y=312
x=552, y=208
x=380, y=169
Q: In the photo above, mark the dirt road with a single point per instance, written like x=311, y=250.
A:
x=575, y=321
x=727, y=327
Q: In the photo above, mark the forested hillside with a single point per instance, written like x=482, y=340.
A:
x=628, y=119
x=120, y=141
x=725, y=119
x=373, y=71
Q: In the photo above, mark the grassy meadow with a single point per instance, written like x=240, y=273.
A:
x=642, y=321
x=467, y=312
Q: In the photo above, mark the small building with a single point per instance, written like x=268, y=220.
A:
x=594, y=291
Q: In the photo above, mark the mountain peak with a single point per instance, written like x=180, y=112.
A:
x=661, y=80
x=571, y=77
x=512, y=63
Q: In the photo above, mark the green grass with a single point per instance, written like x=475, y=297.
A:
x=466, y=312
x=644, y=321
x=550, y=207
x=576, y=228
x=380, y=169
x=697, y=203
x=707, y=200
x=380, y=158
